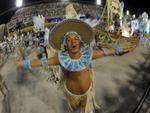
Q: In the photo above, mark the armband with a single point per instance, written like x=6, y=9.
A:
x=26, y=64
x=106, y=51
x=44, y=61
x=118, y=49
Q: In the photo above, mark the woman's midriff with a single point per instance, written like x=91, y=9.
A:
x=78, y=82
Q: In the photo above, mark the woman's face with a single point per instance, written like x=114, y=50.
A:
x=73, y=43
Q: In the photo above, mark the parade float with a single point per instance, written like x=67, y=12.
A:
x=117, y=29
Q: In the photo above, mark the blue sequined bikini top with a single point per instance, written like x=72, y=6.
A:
x=76, y=64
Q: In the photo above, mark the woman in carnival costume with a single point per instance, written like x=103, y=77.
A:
x=71, y=38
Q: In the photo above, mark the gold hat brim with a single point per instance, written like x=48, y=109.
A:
x=59, y=31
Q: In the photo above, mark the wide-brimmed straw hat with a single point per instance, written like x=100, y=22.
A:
x=58, y=32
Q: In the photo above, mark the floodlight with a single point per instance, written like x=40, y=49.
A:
x=134, y=16
x=19, y=3
x=98, y=2
x=127, y=12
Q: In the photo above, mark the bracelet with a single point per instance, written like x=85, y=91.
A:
x=118, y=49
x=44, y=61
x=106, y=51
x=26, y=64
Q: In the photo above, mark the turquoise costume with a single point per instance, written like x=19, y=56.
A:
x=76, y=64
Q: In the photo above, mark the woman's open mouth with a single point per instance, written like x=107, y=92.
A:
x=74, y=46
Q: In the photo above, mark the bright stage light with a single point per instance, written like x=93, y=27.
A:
x=98, y=2
x=127, y=12
x=134, y=16
x=18, y=3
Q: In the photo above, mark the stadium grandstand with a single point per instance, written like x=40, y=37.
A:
x=52, y=11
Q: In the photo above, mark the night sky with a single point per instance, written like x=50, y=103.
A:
x=135, y=7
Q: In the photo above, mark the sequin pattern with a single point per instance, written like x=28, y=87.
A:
x=76, y=64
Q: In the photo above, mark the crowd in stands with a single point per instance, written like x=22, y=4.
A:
x=49, y=10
